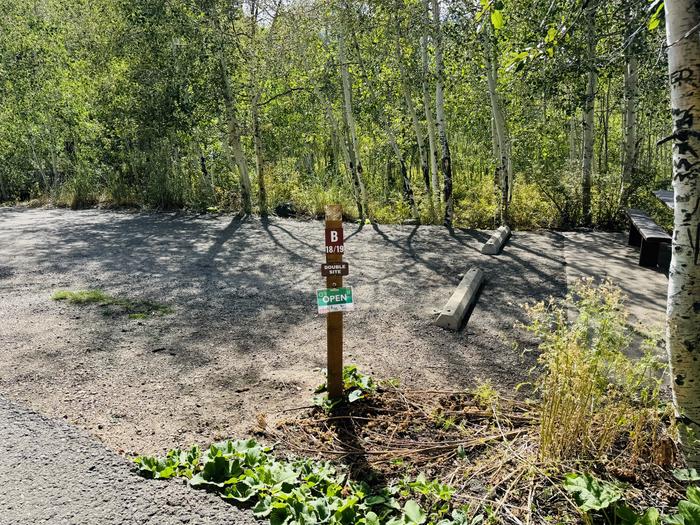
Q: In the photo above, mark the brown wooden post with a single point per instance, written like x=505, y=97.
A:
x=334, y=321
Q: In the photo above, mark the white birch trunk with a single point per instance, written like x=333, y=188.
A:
x=428, y=109
x=337, y=138
x=425, y=170
x=255, y=110
x=501, y=136
x=573, y=149
x=356, y=164
x=683, y=311
x=385, y=124
x=234, y=136
x=629, y=161
x=588, y=117
x=446, y=160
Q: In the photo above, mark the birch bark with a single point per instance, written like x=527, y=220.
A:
x=355, y=162
x=255, y=110
x=425, y=170
x=407, y=190
x=446, y=160
x=501, y=137
x=629, y=159
x=588, y=116
x=428, y=109
x=234, y=134
x=683, y=309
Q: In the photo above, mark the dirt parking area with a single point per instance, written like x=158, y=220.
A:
x=244, y=337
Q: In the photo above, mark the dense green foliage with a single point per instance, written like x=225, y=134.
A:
x=302, y=491
x=602, y=502
x=174, y=103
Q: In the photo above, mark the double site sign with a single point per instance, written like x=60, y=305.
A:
x=335, y=298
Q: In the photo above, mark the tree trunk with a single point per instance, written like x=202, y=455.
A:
x=683, y=310
x=234, y=137
x=629, y=155
x=259, y=159
x=573, y=148
x=446, y=160
x=338, y=140
x=588, y=116
x=604, y=152
x=385, y=124
x=255, y=110
x=504, y=172
x=355, y=162
x=427, y=107
x=4, y=194
x=425, y=170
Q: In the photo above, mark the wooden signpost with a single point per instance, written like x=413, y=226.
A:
x=335, y=299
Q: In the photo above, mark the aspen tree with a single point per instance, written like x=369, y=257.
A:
x=683, y=309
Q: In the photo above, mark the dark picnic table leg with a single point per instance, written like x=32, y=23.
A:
x=635, y=239
x=649, y=253
x=664, y=259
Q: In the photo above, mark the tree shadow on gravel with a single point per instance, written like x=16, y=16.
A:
x=243, y=290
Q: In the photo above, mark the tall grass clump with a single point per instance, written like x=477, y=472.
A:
x=595, y=399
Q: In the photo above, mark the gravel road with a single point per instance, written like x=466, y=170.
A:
x=51, y=472
x=245, y=337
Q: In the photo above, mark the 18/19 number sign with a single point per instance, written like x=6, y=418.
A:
x=334, y=240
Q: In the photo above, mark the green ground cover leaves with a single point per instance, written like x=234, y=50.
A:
x=300, y=491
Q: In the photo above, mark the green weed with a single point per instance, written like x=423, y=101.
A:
x=356, y=386
x=602, y=501
x=486, y=396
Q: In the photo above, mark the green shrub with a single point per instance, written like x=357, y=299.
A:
x=530, y=210
x=592, y=393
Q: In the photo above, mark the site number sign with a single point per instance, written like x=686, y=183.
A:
x=334, y=240
x=334, y=300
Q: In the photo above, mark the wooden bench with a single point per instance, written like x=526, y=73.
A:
x=649, y=236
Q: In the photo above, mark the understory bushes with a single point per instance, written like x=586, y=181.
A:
x=476, y=202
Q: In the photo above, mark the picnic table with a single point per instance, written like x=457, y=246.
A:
x=665, y=196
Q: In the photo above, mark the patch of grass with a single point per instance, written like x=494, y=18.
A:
x=82, y=296
x=135, y=309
